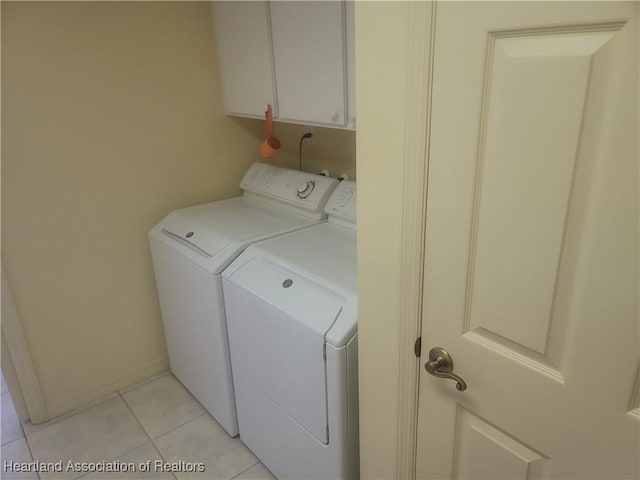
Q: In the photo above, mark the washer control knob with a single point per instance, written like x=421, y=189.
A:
x=305, y=189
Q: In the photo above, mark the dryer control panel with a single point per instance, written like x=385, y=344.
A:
x=342, y=203
x=301, y=189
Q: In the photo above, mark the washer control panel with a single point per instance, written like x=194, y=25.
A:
x=342, y=203
x=302, y=189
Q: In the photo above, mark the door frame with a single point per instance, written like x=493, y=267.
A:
x=413, y=86
x=20, y=374
x=420, y=53
x=393, y=76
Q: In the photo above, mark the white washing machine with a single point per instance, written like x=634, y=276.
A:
x=292, y=318
x=190, y=249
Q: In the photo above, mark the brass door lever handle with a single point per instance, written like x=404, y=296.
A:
x=440, y=364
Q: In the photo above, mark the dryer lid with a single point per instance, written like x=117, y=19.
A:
x=311, y=304
x=277, y=322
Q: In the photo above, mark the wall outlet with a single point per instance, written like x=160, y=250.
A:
x=310, y=142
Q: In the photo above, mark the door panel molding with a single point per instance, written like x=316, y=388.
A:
x=513, y=61
x=479, y=445
x=503, y=346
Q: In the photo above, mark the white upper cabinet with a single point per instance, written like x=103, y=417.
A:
x=297, y=56
x=351, y=63
x=244, y=52
x=310, y=57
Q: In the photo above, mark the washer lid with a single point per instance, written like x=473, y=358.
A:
x=213, y=234
x=193, y=235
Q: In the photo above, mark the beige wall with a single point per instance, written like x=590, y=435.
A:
x=111, y=117
x=334, y=150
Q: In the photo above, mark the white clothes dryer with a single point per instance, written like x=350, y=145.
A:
x=191, y=247
x=292, y=319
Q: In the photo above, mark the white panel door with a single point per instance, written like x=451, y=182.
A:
x=531, y=261
x=310, y=57
x=244, y=51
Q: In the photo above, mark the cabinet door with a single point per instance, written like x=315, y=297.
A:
x=310, y=57
x=351, y=64
x=244, y=50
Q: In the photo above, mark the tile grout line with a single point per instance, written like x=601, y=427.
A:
x=162, y=457
x=246, y=469
x=24, y=435
x=178, y=426
x=77, y=411
x=135, y=417
x=151, y=440
x=122, y=395
x=17, y=418
x=13, y=439
x=119, y=394
x=144, y=429
x=33, y=458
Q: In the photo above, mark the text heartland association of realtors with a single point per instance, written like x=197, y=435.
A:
x=109, y=467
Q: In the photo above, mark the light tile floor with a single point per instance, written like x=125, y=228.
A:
x=155, y=420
